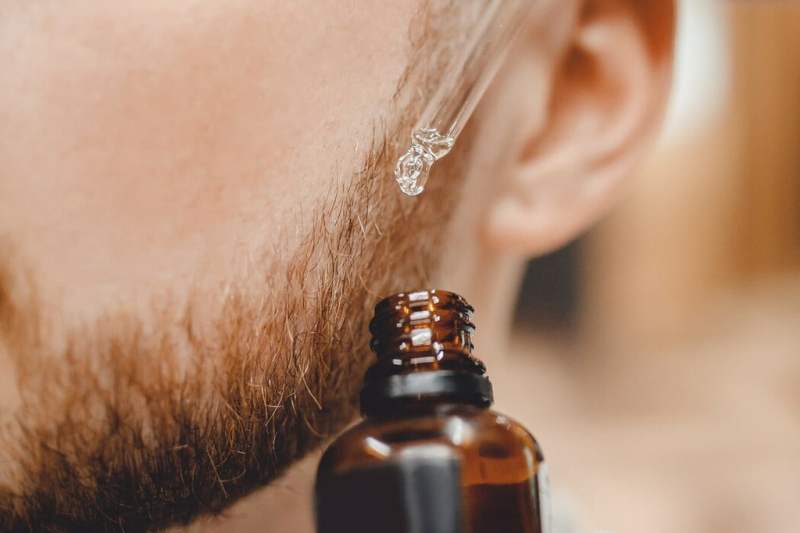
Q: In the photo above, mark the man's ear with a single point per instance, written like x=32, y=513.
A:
x=610, y=86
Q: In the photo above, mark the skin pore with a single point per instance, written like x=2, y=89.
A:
x=197, y=215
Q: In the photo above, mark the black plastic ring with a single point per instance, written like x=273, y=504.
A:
x=446, y=384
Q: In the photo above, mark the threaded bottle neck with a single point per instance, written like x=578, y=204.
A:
x=423, y=342
x=421, y=330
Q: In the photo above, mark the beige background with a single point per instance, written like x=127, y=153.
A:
x=671, y=402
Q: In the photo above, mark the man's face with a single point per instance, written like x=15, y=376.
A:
x=196, y=213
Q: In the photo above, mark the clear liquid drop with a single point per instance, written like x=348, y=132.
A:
x=413, y=168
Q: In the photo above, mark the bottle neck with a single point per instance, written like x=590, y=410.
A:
x=414, y=393
x=424, y=348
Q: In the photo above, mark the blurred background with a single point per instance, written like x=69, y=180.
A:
x=662, y=350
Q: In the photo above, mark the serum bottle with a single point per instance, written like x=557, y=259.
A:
x=429, y=455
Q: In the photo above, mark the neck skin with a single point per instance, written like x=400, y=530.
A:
x=487, y=276
x=490, y=283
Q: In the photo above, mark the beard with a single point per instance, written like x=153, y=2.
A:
x=132, y=430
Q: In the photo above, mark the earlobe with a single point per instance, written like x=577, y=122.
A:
x=608, y=98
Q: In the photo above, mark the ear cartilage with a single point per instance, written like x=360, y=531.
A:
x=466, y=78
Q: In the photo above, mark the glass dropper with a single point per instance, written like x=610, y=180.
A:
x=466, y=78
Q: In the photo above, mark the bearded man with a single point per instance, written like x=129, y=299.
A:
x=197, y=213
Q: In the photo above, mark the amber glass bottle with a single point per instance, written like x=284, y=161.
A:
x=429, y=456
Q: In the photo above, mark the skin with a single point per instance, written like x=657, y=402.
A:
x=152, y=156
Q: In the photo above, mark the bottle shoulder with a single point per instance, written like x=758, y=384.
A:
x=484, y=440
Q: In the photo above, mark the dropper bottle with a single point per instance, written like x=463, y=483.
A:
x=429, y=455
